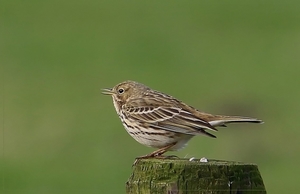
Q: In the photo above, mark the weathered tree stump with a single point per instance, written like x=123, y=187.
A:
x=182, y=176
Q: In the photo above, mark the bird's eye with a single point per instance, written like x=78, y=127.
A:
x=121, y=90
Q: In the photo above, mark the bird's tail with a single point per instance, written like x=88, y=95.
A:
x=219, y=120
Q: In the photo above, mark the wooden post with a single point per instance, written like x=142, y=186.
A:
x=181, y=176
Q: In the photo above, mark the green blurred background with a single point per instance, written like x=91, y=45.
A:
x=60, y=135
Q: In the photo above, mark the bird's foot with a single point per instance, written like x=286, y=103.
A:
x=154, y=157
x=156, y=154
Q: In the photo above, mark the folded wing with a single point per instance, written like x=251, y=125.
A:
x=168, y=118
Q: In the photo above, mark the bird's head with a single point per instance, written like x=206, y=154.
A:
x=124, y=91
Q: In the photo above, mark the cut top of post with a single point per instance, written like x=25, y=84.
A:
x=164, y=175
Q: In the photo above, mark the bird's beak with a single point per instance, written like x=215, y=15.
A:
x=107, y=91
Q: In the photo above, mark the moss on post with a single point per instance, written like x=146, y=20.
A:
x=184, y=177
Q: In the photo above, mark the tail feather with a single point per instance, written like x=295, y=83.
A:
x=222, y=120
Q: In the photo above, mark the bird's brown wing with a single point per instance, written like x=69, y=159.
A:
x=167, y=117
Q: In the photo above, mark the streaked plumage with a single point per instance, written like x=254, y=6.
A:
x=161, y=121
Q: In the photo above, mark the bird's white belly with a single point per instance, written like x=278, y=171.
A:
x=158, y=138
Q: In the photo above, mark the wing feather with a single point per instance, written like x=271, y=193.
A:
x=169, y=118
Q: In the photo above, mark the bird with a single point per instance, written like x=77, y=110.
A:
x=160, y=121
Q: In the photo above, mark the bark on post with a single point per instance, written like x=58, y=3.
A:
x=182, y=176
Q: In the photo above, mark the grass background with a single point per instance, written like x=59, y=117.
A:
x=60, y=135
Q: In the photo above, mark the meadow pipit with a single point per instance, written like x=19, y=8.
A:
x=161, y=121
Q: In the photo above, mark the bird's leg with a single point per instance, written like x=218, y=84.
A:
x=158, y=153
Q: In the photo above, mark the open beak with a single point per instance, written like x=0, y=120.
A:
x=107, y=91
